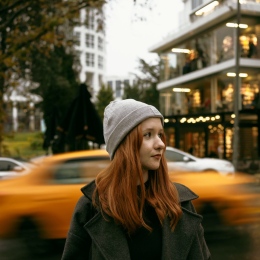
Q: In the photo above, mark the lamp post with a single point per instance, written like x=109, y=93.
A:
x=236, y=93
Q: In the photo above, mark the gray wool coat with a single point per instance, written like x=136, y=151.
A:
x=92, y=237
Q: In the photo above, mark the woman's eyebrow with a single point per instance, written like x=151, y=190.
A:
x=152, y=129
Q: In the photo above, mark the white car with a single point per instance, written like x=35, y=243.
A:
x=10, y=167
x=178, y=160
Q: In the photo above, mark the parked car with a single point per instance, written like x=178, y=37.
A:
x=10, y=167
x=178, y=160
x=38, y=206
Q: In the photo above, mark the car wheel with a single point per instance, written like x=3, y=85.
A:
x=30, y=237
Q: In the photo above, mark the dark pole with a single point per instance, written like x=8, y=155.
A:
x=237, y=93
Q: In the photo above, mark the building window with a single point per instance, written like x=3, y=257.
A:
x=100, y=62
x=118, y=88
x=110, y=84
x=100, y=44
x=195, y=3
x=90, y=59
x=76, y=38
x=90, y=19
x=77, y=63
x=90, y=40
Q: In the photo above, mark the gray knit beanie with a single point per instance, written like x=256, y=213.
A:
x=120, y=117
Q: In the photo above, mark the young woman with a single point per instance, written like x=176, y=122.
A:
x=132, y=210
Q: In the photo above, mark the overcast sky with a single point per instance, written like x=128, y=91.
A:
x=127, y=38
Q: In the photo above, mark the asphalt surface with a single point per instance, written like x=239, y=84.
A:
x=244, y=246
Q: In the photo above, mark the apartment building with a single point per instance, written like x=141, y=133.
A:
x=90, y=47
x=199, y=85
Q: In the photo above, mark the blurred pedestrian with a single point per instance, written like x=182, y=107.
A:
x=132, y=210
x=191, y=150
x=220, y=151
x=252, y=50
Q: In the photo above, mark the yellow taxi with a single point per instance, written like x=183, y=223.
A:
x=225, y=202
x=38, y=206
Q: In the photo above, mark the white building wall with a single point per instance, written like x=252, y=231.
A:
x=92, y=74
x=190, y=6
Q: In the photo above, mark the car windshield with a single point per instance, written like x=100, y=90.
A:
x=172, y=156
x=78, y=171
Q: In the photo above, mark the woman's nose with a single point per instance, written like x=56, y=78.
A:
x=159, y=143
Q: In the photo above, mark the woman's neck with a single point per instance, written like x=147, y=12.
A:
x=145, y=177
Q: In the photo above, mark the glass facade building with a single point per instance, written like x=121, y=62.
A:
x=198, y=79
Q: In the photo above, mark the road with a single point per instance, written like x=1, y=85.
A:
x=244, y=247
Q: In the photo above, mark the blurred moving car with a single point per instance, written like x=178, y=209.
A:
x=10, y=167
x=38, y=159
x=181, y=161
x=37, y=207
x=226, y=202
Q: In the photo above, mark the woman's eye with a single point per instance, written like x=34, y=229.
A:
x=147, y=135
x=160, y=135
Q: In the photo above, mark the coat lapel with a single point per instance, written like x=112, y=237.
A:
x=176, y=244
x=108, y=237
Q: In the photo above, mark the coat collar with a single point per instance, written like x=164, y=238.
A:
x=175, y=245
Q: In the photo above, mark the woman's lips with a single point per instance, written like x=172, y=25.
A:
x=157, y=156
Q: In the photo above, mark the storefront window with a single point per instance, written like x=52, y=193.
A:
x=211, y=48
x=167, y=103
x=196, y=54
x=225, y=45
x=249, y=46
x=249, y=37
x=215, y=141
x=227, y=97
x=249, y=92
x=170, y=134
x=229, y=144
x=250, y=95
x=169, y=68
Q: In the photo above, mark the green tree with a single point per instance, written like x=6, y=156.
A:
x=103, y=98
x=133, y=91
x=29, y=25
x=144, y=88
x=151, y=95
x=57, y=80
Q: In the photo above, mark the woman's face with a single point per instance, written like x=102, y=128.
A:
x=152, y=146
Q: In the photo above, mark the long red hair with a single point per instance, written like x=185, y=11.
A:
x=116, y=187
